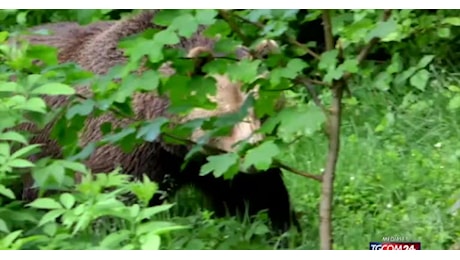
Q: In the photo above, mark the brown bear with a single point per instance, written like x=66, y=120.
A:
x=95, y=48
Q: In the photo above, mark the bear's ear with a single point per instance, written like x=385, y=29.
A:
x=265, y=47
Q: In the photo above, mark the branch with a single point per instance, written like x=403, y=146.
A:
x=235, y=28
x=334, y=121
x=256, y=24
x=338, y=87
x=315, y=177
x=211, y=150
x=318, y=82
x=304, y=81
x=304, y=47
x=290, y=39
x=327, y=26
x=365, y=51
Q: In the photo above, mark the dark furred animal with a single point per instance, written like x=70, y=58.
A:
x=94, y=47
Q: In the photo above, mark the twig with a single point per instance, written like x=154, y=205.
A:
x=290, y=39
x=209, y=149
x=318, y=82
x=315, y=177
x=294, y=42
x=215, y=151
x=256, y=24
x=235, y=28
x=304, y=81
x=365, y=51
x=339, y=46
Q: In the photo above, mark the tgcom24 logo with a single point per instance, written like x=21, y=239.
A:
x=395, y=246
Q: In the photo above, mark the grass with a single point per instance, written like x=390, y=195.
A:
x=396, y=179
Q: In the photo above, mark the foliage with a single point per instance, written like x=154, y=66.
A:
x=391, y=179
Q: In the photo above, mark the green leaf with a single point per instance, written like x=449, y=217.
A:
x=25, y=150
x=9, y=239
x=85, y=152
x=5, y=149
x=138, y=49
x=186, y=25
x=425, y=61
x=9, y=87
x=444, y=32
x=67, y=200
x=221, y=164
x=261, y=156
x=134, y=211
x=47, y=54
x=293, y=68
x=45, y=203
x=333, y=74
x=74, y=166
x=7, y=192
x=218, y=66
x=13, y=136
x=166, y=17
x=21, y=18
x=114, y=240
x=50, y=229
x=34, y=79
x=51, y=216
x=4, y=226
x=82, y=223
x=113, y=138
x=385, y=123
x=452, y=21
x=266, y=104
x=382, y=81
x=158, y=227
x=420, y=79
x=186, y=93
x=149, y=212
x=3, y=36
x=152, y=130
x=166, y=37
x=50, y=174
x=261, y=229
x=83, y=109
x=149, y=80
x=226, y=46
x=205, y=16
x=454, y=88
x=20, y=163
x=35, y=104
x=350, y=65
x=454, y=103
x=305, y=119
x=220, y=27
x=383, y=29
x=328, y=60
x=245, y=71
x=150, y=241
x=144, y=190
x=256, y=14
x=54, y=89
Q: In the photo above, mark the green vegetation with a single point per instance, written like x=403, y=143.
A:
x=399, y=162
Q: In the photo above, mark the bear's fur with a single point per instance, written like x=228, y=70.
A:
x=94, y=47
